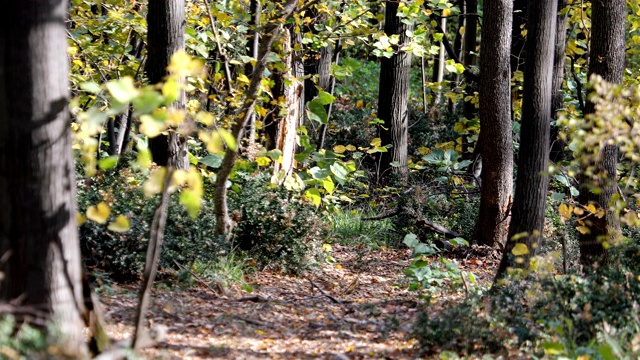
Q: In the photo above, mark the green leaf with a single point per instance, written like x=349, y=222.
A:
x=108, y=162
x=317, y=112
x=147, y=102
x=324, y=98
x=91, y=87
x=411, y=240
x=328, y=185
x=171, y=91
x=213, y=160
x=313, y=195
x=123, y=90
x=319, y=174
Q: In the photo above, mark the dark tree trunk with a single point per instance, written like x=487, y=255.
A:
x=39, y=245
x=606, y=59
x=495, y=122
x=469, y=58
x=393, y=99
x=165, y=37
x=527, y=220
x=557, y=96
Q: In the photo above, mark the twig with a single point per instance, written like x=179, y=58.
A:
x=221, y=51
x=252, y=321
x=257, y=298
x=325, y=293
x=383, y=216
x=198, y=279
x=578, y=84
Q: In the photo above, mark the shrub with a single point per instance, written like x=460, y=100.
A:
x=123, y=254
x=276, y=227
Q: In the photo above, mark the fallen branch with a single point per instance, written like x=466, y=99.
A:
x=324, y=293
x=201, y=281
x=431, y=226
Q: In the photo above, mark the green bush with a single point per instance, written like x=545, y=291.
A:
x=592, y=315
x=122, y=255
x=275, y=226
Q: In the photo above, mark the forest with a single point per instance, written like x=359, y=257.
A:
x=332, y=179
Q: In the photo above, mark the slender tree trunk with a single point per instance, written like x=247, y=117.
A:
x=606, y=59
x=469, y=58
x=557, y=96
x=495, y=122
x=527, y=220
x=165, y=37
x=393, y=99
x=438, y=70
x=39, y=245
x=223, y=222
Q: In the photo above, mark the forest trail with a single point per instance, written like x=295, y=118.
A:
x=351, y=309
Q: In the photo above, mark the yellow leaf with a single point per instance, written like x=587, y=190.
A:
x=591, y=208
x=360, y=104
x=80, y=219
x=583, y=229
x=520, y=249
x=446, y=12
x=154, y=184
x=376, y=142
x=263, y=161
x=99, y=213
x=243, y=78
x=204, y=118
x=578, y=211
x=151, y=127
x=565, y=211
x=260, y=332
x=351, y=148
x=121, y=224
x=339, y=149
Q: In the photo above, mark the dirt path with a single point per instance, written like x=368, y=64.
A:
x=352, y=309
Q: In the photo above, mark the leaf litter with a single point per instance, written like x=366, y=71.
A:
x=355, y=308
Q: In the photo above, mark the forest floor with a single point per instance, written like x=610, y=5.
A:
x=354, y=308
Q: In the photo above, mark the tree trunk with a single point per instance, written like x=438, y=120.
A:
x=393, y=99
x=527, y=220
x=438, y=69
x=469, y=58
x=495, y=122
x=557, y=96
x=38, y=235
x=606, y=59
x=165, y=37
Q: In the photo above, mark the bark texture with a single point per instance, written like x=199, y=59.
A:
x=606, y=59
x=38, y=235
x=495, y=122
x=165, y=37
x=533, y=161
x=557, y=101
x=393, y=99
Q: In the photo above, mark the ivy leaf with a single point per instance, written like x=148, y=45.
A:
x=121, y=224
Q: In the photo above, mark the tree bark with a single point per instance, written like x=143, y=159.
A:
x=165, y=37
x=527, y=220
x=495, y=122
x=606, y=59
x=393, y=99
x=557, y=96
x=38, y=235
